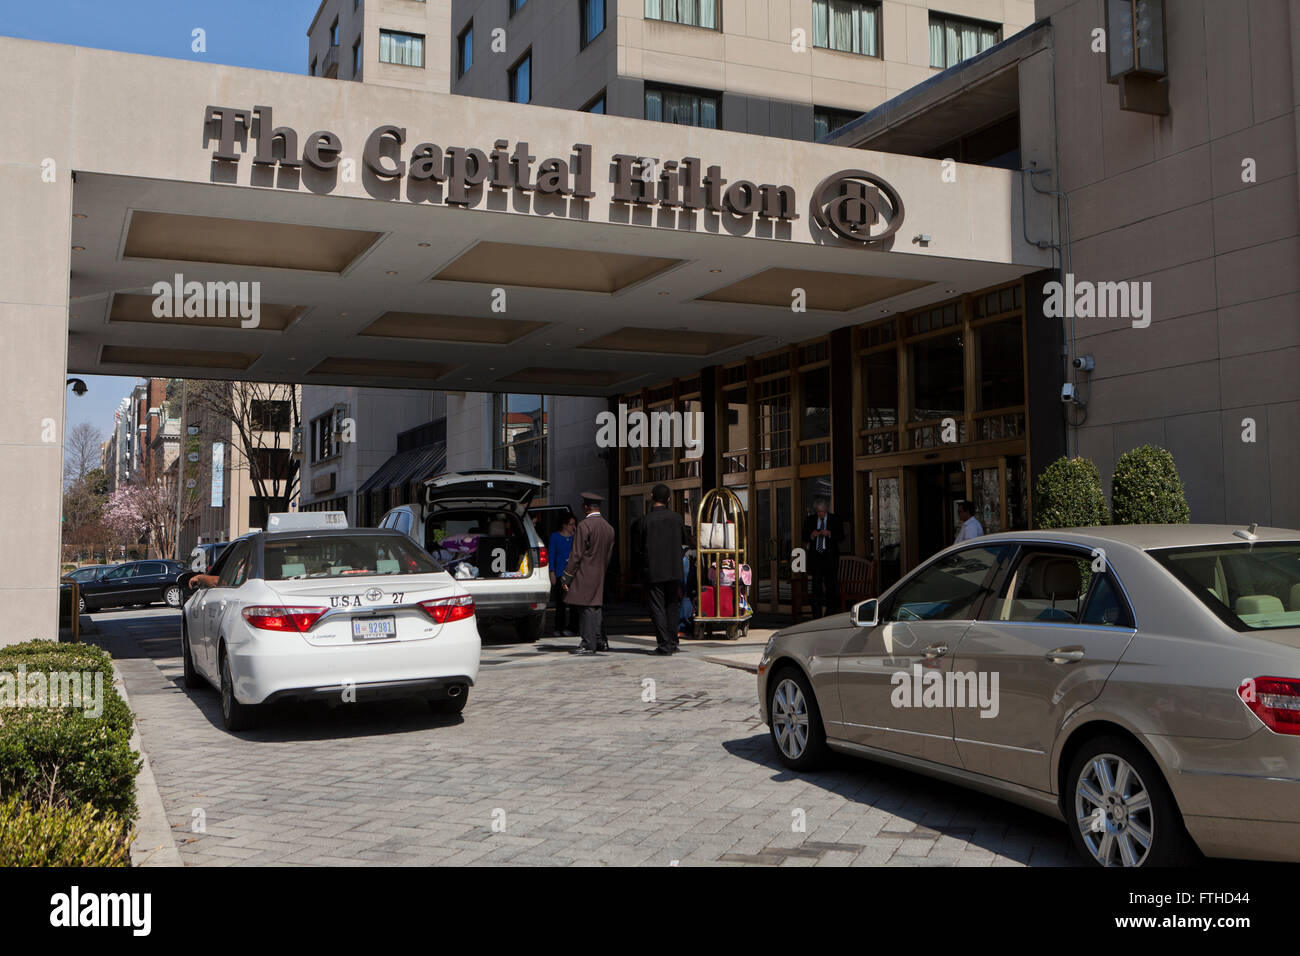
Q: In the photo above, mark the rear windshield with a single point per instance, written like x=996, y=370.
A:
x=328, y=556
x=1251, y=587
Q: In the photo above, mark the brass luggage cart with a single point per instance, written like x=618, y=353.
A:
x=721, y=584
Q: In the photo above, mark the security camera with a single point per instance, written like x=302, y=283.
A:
x=1067, y=392
x=78, y=386
x=1084, y=363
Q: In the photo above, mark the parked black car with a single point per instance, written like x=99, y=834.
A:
x=91, y=572
x=136, y=582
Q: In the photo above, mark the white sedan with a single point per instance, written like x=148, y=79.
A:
x=331, y=614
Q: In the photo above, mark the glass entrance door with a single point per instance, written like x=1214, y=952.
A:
x=887, y=527
x=773, y=518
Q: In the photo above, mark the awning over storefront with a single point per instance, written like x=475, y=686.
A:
x=407, y=467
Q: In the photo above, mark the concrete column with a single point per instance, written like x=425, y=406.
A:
x=35, y=252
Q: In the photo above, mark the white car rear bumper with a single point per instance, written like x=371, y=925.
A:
x=270, y=665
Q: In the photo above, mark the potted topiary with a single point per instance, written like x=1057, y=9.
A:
x=1068, y=495
x=1146, y=489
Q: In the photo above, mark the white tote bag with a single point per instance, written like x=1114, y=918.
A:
x=716, y=533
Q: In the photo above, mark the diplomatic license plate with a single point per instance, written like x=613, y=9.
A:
x=373, y=628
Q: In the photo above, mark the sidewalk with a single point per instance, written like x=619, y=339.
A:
x=630, y=623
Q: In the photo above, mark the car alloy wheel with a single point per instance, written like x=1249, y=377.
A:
x=173, y=596
x=790, y=718
x=81, y=605
x=1114, y=813
x=227, y=691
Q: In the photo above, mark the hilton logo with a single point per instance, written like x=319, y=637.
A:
x=858, y=206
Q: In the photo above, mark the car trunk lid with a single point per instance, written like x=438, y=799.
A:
x=368, y=610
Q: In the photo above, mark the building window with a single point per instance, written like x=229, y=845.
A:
x=465, y=49
x=683, y=107
x=268, y=415
x=324, y=432
x=334, y=32
x=953, y=39
x=593, y=20
x=693, y=13
x=827, y=121
x=311, y=71
x=356, y=58
x=402, y=49
x=597, y=105
x=850, y=26
x=519, y=433
x=516, y=6
x=521, y=80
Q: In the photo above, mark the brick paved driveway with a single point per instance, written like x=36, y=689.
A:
x=557, y=760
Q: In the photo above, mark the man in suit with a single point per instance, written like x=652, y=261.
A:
x=584, y=574
x=822, y=534
x=661, y=534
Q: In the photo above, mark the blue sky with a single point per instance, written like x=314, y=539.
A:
x=260, y=34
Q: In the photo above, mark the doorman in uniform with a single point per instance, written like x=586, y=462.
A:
x=822, y=533
x=584, y=574
x=661, y=533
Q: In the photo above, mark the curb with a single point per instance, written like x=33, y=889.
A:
x=153, y=844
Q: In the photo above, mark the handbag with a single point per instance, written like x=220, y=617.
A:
x=715, y=533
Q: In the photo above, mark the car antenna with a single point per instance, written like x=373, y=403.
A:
x=1248, y=533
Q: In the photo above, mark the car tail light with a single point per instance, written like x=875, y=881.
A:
x=1275, y=701
x=447, y=609
x=269, y=618
x=543, y=559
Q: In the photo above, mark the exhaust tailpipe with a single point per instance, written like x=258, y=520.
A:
x=454, y=690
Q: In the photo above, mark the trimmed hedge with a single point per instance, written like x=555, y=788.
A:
x=1068, y=495
x=60, y=756
x=1146, y=488
x=45, y=835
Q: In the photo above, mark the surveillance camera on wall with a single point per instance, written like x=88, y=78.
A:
x=1067, y=392
x=1084, y=363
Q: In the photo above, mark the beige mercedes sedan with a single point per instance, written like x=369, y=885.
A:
x=1140, y=683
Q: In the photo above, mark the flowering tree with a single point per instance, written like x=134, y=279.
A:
x=149, y=508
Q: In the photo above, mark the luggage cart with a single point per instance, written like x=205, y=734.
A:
x=720, y=568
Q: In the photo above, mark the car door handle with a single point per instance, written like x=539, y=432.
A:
x=1065, y=655
x=935, y=650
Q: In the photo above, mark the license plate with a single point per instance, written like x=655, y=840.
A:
x=373, y=628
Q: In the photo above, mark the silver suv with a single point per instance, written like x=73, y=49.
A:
x=476, y=525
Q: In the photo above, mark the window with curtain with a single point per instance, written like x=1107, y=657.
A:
x=403, y=49
x=521, y=80
x=694, y=13
x=953, y=39
x=683, y=107
x=850, y=26
x=593, y=20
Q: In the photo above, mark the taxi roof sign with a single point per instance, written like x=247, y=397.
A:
x=306, y=520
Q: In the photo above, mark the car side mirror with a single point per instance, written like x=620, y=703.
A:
x=866, y=613
x=184, y=581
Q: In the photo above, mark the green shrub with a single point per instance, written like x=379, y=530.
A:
x=48, y=835
x=49, y=656
x=1068, y=495
x=63, y=755
x=1146, y=489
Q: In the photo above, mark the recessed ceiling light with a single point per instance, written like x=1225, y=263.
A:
x=949, y=291
x=78, y=248
x=663, y=293
x=715, y=270
x=581, y=329
x=78, y=215
x=390, y=272
x=424, y=245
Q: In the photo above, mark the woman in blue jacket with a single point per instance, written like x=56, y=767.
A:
x=566, y=617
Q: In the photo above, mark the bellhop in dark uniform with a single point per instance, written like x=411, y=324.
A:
x=584, y=575
x=661, y=534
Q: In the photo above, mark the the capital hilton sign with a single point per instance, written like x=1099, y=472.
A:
x=459, y=173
